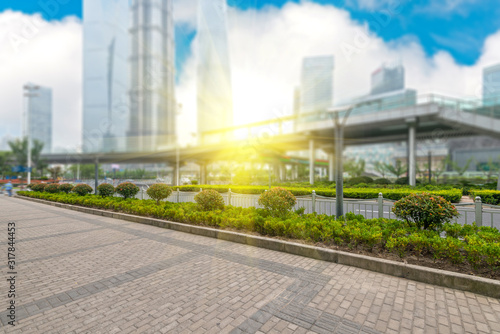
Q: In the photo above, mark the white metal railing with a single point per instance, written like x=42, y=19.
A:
x=481, y=214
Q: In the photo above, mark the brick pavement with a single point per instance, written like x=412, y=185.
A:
x=80, y=273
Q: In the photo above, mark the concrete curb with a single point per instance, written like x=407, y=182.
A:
x=480, y=285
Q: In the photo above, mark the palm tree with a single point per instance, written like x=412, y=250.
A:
x=380, y=167
x=396, y=170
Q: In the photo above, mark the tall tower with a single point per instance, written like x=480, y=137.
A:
x=388, y=79
x=40, y=118
x=491, y=85
x=105, y=75
x=316, y=88
x=215, y=97
x=152, y=65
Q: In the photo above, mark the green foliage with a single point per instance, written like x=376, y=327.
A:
x=278, y=201
x=355, y=168
x=159, y=192
x=82, y=189
x=127, y=190
x=30, y=186
x=469, y=244
x=452, y=194
x=382, y=181
x=105, y=190
x=487, y=196
x=209, y=200
x=52, y=188
x=404, y=181
x=40, y=187
x=65, y=188
x=359, y=179
x=425, y=210
x=397, y=170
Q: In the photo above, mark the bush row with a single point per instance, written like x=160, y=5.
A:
x=487, y=196
x=477, y=246
x=452, y=195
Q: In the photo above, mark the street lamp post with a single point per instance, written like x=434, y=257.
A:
x=29, y=94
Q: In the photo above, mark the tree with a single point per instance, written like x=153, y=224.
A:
x=456, y=167
x=355, y=169
x=19, y=148
x=55, y=172
x=488, y=169
x=380, y=168
x=4, y=163
x=397, y=170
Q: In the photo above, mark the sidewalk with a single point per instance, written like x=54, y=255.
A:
x=79, y=273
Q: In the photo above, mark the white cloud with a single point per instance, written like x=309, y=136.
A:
x=267, y=47
x=185, y=13
x=48, y=54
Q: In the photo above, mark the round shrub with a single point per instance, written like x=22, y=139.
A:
x=209, y=200
x=359, y=179
x=159, y=191
x=105, y=190
x=277, y=201
x=82, y=189
x=382, y=181
x=52, y=188
x=404, y=181
x=425, y=211
x=40, y=187
x=30, y=186
x=127, y=189
x=65, y=188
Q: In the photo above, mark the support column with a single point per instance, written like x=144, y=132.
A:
x=331, y=162
x=96, y=176
x=412, y=151
x=276, y=172
x=312, y=159
x=175, y=171
x=203, y=173
x=498, y=182
x=283, y=173
x=295, y=172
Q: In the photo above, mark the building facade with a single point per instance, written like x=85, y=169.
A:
x=387, y=79
x=316, y=87
x=152, y=63
x=214, y=90
x=491, y=86
x=40, y=117
x=105, y=75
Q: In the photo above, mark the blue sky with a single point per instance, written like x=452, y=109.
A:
x=457, y=26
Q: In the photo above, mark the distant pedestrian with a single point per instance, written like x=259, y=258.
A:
x=8, y=186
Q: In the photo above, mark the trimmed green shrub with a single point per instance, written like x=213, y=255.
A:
x=30, y=186
x=52, y=188
x=209, y=200
x=382, y=181
x=278, y=201
x=82, y=189
x=127, y=190
x=65, y=188
x=159, y=192
x=487, y=196
x=40, y=187
x=359, y=179
x=105, y=190
x=425, y=211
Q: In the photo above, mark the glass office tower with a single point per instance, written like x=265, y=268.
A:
x=491, y=86
x=316, y=89
x=105, y=75
x=152, y=63
x=214, y=95
x=40, y=118
x=387, y=79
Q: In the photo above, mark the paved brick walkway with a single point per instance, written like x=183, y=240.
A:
x=80, y=273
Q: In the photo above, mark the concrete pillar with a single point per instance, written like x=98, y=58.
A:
x=283, y=172
x=331, y=162
x=276, y=172
x=312, y=159
x=412, y=152
x=96, y=176
x=203, y=173
x=174, y=175
x=498, y=182
x=295, y=172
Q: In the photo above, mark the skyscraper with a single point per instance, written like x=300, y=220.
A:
x=388, y=79
x=215, y=100
x=40, y=117
x=152, y=94
x=105, y=75
x=316, y=89
x=491, y=85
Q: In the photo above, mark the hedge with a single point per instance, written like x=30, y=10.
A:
x=477, y=246
x=487, y=196
x=452, y=195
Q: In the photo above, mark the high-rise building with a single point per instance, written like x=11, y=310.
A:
x=316, y=89
x=388, y=79
x=105, y=75
x=40, y=117
x=214, y=96
x=152, y=93
x=491, y=85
